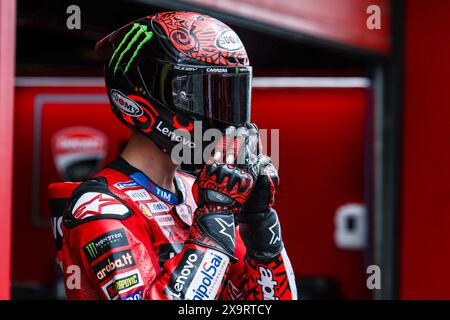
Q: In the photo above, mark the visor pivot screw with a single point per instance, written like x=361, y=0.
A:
x=183, y=95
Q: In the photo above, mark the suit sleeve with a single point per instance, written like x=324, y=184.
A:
x=116, y=264
x=270, y=280
x=268, y=274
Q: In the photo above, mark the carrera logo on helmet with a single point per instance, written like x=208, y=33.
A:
x=228, y=40
x=216, y=70
x=125, y=104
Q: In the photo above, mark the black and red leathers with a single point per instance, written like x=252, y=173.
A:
x=130, y=239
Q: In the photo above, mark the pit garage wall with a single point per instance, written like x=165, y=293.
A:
x=321, y=164
x=321, y=161
x=340, y=22
x=425, y=223
x=7, y=65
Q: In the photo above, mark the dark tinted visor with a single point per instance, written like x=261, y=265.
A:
x=219, y=93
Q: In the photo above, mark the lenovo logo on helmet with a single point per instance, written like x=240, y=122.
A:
x=228, y=40
x=125, y=104
x=173, y=136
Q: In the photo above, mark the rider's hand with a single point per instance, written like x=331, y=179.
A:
x=262, y=196
x=221, y=189
x=223, y=185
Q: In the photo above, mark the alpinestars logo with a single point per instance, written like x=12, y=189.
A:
x=94, y=204
x=275, y=230
x=267, y=283
x=137, y=33
x=227, y=229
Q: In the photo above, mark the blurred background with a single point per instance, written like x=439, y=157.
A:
x=357, y=89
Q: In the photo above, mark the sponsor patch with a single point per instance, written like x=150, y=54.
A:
x=115, y=261
x=92, y=204
x=126, y=184
x=138, y=195
x=148, y=184
x=134, y=296
x=104, y=243
x=182, y=276
x=145, y=211
x=267, y=283
x=165, y=220
x=208, y=278
x=158, y=207
x=122, y=283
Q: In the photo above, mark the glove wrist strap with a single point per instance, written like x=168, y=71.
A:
x=213, y=227
x=261, y=234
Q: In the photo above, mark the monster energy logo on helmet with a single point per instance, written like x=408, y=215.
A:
x=138, y=30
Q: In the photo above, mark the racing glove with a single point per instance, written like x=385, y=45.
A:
x=220, y=191
x=258, y=222
x=259, y=226
x=269, y=274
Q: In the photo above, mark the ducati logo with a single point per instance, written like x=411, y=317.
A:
x=78, y=152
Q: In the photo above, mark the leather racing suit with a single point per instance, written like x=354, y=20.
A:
x=126, y=238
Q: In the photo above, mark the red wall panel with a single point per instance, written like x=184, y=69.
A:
x=342, y=21
x=7, y=63
x=52, y=109
x=321, y=168
x=425, y=239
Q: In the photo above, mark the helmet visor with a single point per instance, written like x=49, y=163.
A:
x=218, y=93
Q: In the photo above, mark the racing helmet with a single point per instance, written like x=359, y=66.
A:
x=166, y=71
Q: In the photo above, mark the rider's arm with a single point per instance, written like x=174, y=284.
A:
x=197, y=272
x=120, y=266
x=269, y=274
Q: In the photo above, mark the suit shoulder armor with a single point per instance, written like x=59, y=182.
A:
x=93, y=200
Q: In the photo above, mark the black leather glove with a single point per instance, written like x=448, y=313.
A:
x=262, y=197
x=259, y=226
x=220, y=191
